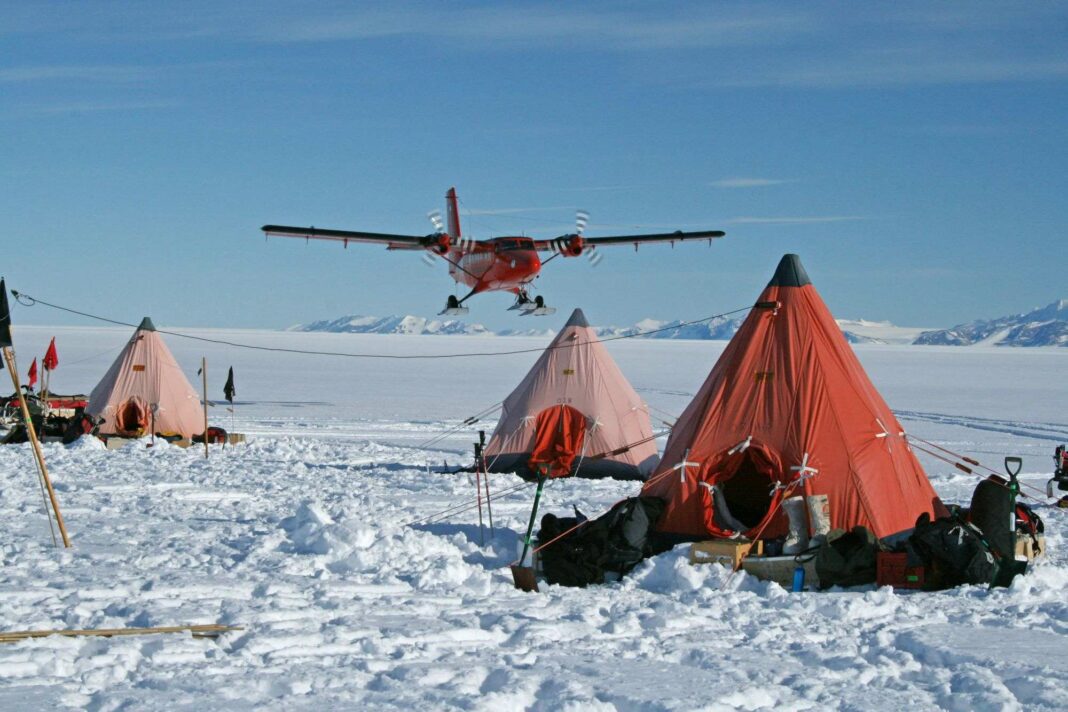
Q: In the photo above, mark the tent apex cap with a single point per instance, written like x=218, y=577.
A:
x=577, y=319
x=146, y=325
x=790, y=273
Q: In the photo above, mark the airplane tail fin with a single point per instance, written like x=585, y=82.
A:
x=453, y=214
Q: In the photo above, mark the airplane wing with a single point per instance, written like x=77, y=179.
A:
x=677, y=236
x=392, y=242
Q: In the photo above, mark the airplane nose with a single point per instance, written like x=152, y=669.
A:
x=528, y=260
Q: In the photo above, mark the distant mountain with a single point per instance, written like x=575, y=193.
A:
x=1047, y=326
x=861, y=331
x=393, y=325
x=721, y=329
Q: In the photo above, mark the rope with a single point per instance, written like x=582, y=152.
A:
x=625, y=448
x=965, y=468
x=467, y=421
x=464, y=507
x=672, y=418
x=27, y=300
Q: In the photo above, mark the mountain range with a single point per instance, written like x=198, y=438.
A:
x=1047, y=326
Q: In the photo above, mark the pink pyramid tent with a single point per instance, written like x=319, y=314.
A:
x=574, y=413
x=145, y=391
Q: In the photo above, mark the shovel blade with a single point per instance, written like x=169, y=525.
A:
x=523, y=577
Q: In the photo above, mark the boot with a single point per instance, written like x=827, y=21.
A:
x=819, y=518
x=797, y=539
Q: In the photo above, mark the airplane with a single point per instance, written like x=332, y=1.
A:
x=508, y=263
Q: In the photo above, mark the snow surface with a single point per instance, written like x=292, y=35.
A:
x=300, y=537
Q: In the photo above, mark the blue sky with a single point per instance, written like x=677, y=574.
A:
x=913, y=154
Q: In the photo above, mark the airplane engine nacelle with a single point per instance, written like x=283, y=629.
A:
x=441, y=245
x=570, y=246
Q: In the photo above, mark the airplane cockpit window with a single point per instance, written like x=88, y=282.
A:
x=517, y=244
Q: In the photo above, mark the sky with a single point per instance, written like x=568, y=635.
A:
x=913, y=154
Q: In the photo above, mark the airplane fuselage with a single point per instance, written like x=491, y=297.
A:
x=501, y=264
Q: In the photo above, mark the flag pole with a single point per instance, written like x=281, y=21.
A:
x=204, y=370
x=31, y=432
x=44, y=394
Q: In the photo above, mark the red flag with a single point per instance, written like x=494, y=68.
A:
x=51, y=359
x=32, y=375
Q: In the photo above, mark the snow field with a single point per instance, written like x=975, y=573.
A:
x=300, y=537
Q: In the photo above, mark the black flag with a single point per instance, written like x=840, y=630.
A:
x=5, y=317
x=228, y=389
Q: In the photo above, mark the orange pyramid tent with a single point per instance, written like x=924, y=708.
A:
x=145, y=391
x=788, y=399
x=574, y=413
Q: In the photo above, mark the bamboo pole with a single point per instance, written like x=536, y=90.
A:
x=204, y=371
x=198, y=631
x=9, y=357
x=481, y=464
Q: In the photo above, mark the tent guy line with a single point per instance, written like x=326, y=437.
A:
x=27, y=301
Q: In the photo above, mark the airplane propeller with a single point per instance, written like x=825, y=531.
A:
x=434, y=216
x=582, y=218
x=435, y=219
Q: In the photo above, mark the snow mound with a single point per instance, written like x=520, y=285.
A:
x=86, y=443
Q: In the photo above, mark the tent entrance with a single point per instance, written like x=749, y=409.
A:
x=559, y=434
x=740, y=496
x=132, y=417
x=747, y=494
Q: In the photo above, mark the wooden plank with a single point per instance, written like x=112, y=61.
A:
x=199, y=631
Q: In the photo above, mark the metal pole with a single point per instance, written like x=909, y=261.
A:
x=533, y=516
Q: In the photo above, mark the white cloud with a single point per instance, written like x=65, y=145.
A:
x=607, y=27
x=747, y=182
x=805, y=220
x=99, y=73
x=81, y=107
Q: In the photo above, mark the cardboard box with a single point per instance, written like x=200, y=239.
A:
x=728, y=552
x=780, y=569
x=1026, y=547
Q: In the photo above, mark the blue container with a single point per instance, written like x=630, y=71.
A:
x=799, y=579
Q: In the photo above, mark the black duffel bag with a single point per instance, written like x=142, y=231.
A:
x=616, y=541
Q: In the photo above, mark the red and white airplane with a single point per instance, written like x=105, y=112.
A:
x=507, y=264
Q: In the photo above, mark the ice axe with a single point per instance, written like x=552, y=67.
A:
x=523, y=576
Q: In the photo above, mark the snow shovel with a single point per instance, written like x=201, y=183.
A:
x=523, y=576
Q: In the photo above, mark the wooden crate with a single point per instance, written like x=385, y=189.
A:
x=728, y=552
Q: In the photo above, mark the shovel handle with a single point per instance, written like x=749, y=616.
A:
x=1013, y=466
